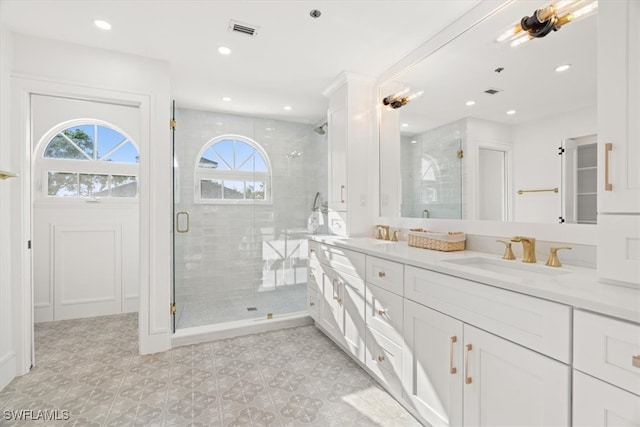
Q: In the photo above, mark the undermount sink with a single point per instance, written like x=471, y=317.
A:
x=512, y=268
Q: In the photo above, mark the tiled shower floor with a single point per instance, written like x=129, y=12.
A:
x=289, y=377
x=199, y=311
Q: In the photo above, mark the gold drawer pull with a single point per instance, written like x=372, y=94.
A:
x=380, y=358
x=382, y=311
x=467, y=378
x=452, y=369
x=381, y=274
x=635, y=361
x=312, y=304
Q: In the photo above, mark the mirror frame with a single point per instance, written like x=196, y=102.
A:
x=570, y=233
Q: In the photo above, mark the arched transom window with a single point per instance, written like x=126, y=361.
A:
x=89, y=160
x=233, y=169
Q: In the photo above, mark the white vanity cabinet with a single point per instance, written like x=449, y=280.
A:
x=606, y=375
x=383, y=319
x=457, y=374
x=619, y=141
x=341, y=299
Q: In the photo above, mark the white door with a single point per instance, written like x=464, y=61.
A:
x=432, y=364
x=85, y=208
x=508, y=385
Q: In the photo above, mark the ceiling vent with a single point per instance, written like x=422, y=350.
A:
x=492, y=91
x=243, y=28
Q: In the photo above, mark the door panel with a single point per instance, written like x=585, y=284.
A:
x=85, y=250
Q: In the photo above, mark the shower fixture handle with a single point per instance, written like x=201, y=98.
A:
x=184, y=229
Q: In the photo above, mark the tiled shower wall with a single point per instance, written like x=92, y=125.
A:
x=243, y=255
x=441, y=145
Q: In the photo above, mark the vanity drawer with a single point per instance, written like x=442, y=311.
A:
x=384, y=312
x=608, y=349
x=384, y=358
x=535, y=323
x=385, y=274
x=339, y=259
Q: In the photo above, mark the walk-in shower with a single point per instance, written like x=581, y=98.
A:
x=241, y=204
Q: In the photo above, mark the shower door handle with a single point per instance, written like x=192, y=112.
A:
x=184, y=229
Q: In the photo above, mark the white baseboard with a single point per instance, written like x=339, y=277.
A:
x=7, y=369
x=130, y=305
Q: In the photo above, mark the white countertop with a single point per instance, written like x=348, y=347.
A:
x=575, y=286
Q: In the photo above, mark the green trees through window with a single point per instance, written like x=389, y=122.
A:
x=90, y=160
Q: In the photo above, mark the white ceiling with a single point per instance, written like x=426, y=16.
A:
x=290, y=62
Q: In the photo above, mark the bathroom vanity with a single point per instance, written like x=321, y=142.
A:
x=467, y=338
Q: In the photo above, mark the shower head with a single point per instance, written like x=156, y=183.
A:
x=321, y=129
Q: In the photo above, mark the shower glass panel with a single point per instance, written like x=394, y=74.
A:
x=242, y=191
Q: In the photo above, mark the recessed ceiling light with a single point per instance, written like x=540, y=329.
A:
x=268, y=129
x=414, y=141
x=562, y=68
x=511, y=112
x=405, y=125
x=226, y=99
x=103, y=25
x=288, y=107
x=223, y=50
x=470, y=103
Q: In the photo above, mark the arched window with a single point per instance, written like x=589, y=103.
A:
x=232, y=169
x=89, y=160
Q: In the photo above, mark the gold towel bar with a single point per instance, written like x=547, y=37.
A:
x=540, y=190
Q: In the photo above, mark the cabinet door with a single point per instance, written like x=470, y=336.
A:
x=598, y=404
x=432, y=364
x=338, y=134
x=619, y=106
x=353, y=308
x=330, y=307
x=314, y=289
x=508, y=385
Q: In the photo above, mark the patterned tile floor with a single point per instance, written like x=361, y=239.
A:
x=289, y=377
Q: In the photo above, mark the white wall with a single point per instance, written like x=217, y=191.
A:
x=7, y=348
x=537, y=164
x=53, y=67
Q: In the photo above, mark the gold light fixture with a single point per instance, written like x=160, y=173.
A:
x=546, y=19
x=399, y=99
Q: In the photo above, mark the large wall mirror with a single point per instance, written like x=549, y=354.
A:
x=495, y=130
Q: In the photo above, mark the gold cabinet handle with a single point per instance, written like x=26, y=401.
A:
x=452, y=341
x=381, y=274
x=313, y=251
x=186, y=215
x=635, y=361
x=607, y=151
x=342, y=194
x=382, y=311
x=311, y=304
x=467, y=378
x=380, y=358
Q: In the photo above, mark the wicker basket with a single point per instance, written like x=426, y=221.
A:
x=447, y=242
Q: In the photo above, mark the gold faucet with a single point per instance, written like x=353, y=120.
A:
x=553, y=260
x=528, y=248
x=383, y=232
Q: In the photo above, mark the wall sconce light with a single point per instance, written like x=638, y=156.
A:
x=546, y=19
x=397, y=100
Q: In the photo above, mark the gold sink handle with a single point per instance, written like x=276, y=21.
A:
x=553, y=260
x=508, y=253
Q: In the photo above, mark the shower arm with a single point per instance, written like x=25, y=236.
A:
x=315, y=208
